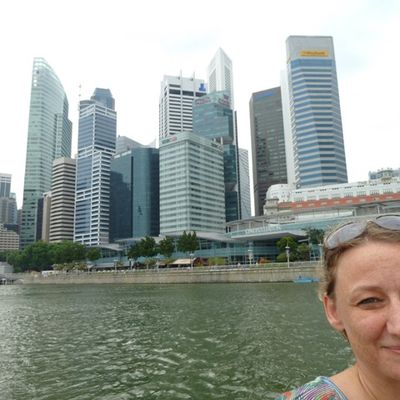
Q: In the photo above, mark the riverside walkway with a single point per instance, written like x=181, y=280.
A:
x=215, y=274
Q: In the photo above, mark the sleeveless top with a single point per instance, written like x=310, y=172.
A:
x=321, y=388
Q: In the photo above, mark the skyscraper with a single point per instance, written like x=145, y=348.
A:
x=213, y=119
x=5, y=185
x=62, y=200
x=49, y=137
x=191, y=185
x=220, y=76
x=244, y=183
x=267, y=143
x=96, y=146
x=176, y=103
x=135, y=195
x=317, y=137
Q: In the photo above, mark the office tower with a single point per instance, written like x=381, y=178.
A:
x=267, y=143
x=49, y=137
x=96, y=146
x=191, y=185
x=135, y=196
x=8, y=203
x=9, y=240
x=43, y=217
x=317, y=136
x=5, y=185
x=62, y=200
x=124, y=143
x=220, y=76
x=213, y=119
x=176, y=103
x=244, y=183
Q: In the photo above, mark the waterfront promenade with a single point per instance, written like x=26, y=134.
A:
x=216, y=274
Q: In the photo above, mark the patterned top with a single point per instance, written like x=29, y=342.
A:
x=321, y=388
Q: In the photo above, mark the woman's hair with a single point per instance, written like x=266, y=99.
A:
x=331, y=257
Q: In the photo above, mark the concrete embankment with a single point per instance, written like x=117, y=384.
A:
x=165, y=276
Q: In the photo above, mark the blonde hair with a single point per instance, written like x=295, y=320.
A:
x=331, y=257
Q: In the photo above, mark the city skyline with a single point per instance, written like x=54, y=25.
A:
x=133, y=57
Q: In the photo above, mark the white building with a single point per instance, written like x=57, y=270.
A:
x=176, y=103
x=220, y=75
x=192, y=194
x=9, y=240
x=286, y=193
x=63, y=200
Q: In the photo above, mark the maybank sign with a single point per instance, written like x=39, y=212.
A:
x=314, y=53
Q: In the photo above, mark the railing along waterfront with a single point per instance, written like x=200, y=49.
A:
x=211, y=274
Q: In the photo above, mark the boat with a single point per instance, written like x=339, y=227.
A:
x=305, y=279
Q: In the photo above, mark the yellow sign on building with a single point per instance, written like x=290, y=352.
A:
x=314, y=53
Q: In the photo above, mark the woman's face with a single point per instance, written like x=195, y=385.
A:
x=366, y=304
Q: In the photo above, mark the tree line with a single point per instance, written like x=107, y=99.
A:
x=40, y=256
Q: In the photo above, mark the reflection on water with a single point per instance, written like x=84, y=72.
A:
x=116, y=342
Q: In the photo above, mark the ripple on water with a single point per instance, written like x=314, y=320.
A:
x=162, y=342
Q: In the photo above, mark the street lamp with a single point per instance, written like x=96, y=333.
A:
x=320, y=248
x=250, y=256
x=191, y=255
x=287, y=251
x=115, y=264
x=158, y=261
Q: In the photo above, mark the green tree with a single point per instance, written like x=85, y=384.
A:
x=303, y=252
x=167, y=246
x=148, y=247
x=315, y=236
x=281, y=245
x=93, y=253
x=187, y=242
x=134, y=251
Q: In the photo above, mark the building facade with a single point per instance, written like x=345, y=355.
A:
x=49, y=137
x=317, y=136
x=213, y=119
x=176, y=103
x=5, y=185
x=244, y=182
x=9, y=240
x=267, y=143
x=96, y=146
x=63, y=200
x=135, y=198
x=191, y=185
x=220, y=75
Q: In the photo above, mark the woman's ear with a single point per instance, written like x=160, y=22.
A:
x=332, y=313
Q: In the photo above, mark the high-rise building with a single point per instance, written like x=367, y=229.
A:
x=5, y=185
x=267, y=143
x=244, y=182
x=220, y=76
x=49, y=137
x=213, y=119
x=191, y=185
x=176, y=103
x=96, y=146
x=135, y=198
x=317, y=136
x=43, y=217
x=62, y=200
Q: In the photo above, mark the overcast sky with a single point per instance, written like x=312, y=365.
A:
x=128, y=46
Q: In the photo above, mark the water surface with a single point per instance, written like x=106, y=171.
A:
x=200, y=341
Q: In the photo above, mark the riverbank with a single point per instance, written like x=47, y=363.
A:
x=220, y=274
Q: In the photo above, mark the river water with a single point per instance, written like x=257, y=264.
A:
x=201, y=341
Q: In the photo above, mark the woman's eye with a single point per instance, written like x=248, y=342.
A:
x=369, y=300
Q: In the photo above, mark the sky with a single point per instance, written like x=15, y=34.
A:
x=128, y=46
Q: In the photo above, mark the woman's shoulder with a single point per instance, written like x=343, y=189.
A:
x=321, y=388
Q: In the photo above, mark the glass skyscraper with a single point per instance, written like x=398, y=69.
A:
x=267, y=143
x=317, y=136
x=49, y=137
x=96, y=146
x=191, y=185
x=213, y=119
x=135, y=198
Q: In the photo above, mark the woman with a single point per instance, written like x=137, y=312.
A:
x=361, y=296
